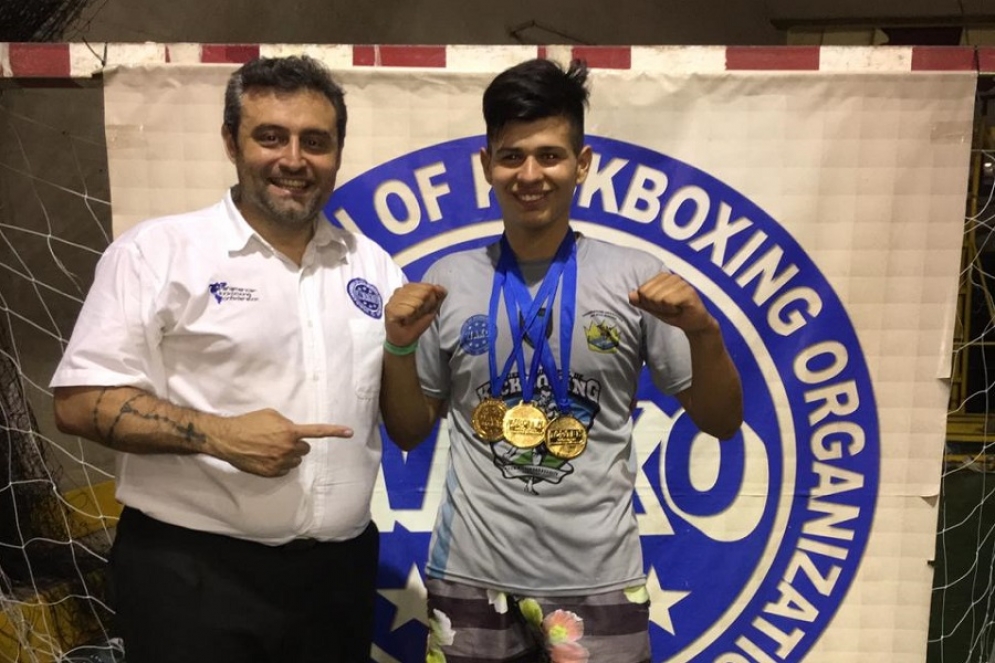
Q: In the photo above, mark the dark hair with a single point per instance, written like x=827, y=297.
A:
x=287, y=74
x=534, y=90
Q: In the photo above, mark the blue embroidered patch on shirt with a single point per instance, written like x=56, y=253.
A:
x=366, y=297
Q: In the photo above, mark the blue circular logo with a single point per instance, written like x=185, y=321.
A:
x=474, y=336
x=750, y=544
x=366, y=297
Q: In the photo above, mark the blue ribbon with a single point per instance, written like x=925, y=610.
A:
x=517, y=298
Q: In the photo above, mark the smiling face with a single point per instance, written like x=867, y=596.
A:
x=534, y=170
x=287, y=155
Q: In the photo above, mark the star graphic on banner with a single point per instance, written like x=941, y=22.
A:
x=661, y=601
x=409, y=600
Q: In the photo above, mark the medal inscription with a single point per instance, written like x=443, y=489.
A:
x=488, y=419
x=524, y=426
x=566, y=437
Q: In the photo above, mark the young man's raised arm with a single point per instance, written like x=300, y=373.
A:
x=408, y=414
x=715, y=398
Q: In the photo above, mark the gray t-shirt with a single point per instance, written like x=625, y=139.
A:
x=524, y=521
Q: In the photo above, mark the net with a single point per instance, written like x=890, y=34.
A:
x=54, y=533
x=963, y=598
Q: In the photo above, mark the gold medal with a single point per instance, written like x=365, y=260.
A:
x=524, y=426
x=566, y=437
x=488, y=419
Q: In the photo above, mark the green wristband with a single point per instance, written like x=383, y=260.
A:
x=399, y=350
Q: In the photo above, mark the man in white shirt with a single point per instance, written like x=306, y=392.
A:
x=232, y=356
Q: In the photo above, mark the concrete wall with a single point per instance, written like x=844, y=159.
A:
x=429, y=22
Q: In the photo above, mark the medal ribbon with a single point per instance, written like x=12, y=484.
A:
x=564, y=264
x=497, y=287
x=559, y=381
x=507, y=264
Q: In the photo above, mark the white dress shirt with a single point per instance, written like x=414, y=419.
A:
x=199, y=310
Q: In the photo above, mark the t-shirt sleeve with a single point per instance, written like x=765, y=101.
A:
x=116, y=338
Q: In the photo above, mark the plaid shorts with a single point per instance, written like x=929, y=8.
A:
x=469, y=624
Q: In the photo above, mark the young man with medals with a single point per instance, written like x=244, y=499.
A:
x=536, y=555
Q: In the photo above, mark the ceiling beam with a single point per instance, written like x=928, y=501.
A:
x=956, y=20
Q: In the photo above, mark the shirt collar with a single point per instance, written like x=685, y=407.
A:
x=326, y=234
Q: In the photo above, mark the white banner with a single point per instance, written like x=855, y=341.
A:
x=821, y=216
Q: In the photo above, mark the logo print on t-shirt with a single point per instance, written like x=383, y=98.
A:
x=602, y=332
x=474, y=336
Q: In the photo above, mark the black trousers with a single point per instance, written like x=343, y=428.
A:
x=186, y=596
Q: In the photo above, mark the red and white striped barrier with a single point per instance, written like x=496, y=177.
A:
x=83, y=60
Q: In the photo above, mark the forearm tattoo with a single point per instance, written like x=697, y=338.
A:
x=187, y=431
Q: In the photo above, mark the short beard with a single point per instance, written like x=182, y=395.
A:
x=286, y=218
x=291, y=218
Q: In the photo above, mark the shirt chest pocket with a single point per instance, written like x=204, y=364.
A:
x=367, y=357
